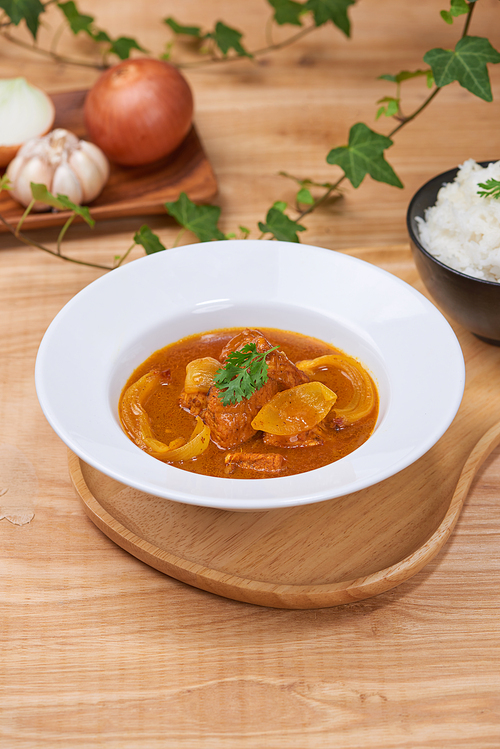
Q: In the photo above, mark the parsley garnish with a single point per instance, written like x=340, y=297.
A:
x=491, y=189
x=244, y=372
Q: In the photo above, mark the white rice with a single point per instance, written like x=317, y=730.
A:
x=462, y=230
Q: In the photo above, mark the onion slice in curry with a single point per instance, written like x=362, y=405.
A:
x=197, y=444
x=363, y=394
x=200, y=374
x=295, y=410
x=137, y=425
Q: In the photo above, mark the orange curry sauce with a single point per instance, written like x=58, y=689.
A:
x=168, y=420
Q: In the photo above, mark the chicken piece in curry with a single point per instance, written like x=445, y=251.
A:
x=308, y=405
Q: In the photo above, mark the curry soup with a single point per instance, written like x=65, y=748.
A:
x=168, y=421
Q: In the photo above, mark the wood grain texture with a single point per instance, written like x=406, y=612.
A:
x=97, y=649
x=129, y=191
x=325, y=554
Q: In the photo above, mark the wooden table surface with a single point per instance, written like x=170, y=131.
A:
x=100, y=650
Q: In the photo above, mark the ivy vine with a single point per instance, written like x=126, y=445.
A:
x=363, y=154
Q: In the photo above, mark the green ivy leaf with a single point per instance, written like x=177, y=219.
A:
x=405, y=75
x=77, y=21
x=27, y=10
x=80, y=22
x=41, y=193
x=100, y=36
x=304, y=196
x=185, y=30
x=457, y=8
x=80, y=210
x=200, y=219
x=280, y=205
x=306, y=183
x=61, y=202
x=123, y=46
x=287, y=11
x=5, y=183
x=227, y=38
x=390, y=109
x=279, y=225
x=331, y=10
x=467, y=65
x=149, y=240
x=364, y=155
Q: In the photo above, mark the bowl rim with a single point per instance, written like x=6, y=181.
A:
x=407, y=326
x=444, y=177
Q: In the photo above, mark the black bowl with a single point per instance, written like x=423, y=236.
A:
x=471, y=302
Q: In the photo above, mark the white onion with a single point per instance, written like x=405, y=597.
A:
x=25, y=112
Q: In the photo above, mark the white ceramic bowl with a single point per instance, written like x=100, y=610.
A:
x=115, y=323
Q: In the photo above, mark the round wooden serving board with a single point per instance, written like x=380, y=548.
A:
x=328, y=553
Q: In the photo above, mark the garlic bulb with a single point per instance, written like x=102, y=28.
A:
x=61, y=162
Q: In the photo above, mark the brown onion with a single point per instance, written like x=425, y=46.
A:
x=139, y=111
